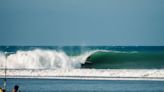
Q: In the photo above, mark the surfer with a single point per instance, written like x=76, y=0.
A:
x=16, y=88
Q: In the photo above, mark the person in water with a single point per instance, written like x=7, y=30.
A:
x=16, y=88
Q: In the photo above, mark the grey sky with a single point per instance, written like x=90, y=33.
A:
x=82, y=22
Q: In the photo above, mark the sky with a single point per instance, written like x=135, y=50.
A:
x=82, y=22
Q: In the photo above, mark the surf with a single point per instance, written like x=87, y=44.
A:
x=89, y=62
x=42, y=59
x=92, y=59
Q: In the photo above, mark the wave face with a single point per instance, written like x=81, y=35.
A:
x=125, y=60
x=75, y=57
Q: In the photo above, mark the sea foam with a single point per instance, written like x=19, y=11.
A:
x=102, y=74
x=42, y=59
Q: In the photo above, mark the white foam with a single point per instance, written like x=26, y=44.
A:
x=42, y=59
x=87, y=73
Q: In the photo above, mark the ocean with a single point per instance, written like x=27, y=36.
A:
x=97, y=57
x=83, y=68
x=72, y=85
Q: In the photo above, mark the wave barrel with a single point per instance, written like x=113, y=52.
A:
x=125, y=60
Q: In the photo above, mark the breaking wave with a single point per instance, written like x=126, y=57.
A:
x=42, y=59
x=94, y=59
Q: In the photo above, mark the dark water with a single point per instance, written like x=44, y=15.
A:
x=53, y=85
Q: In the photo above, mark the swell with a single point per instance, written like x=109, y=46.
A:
x=125, y=60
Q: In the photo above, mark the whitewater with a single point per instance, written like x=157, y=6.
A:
x=101, y=74
x=42, y=59
x=57, y=64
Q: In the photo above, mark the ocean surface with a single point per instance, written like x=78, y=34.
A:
x=37, y=68
x=64, y=85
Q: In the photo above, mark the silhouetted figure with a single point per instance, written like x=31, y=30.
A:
x=16, y=88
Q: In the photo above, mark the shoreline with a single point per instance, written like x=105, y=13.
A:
x=86, y=78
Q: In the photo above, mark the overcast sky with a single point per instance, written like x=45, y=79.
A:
x=81, y=22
